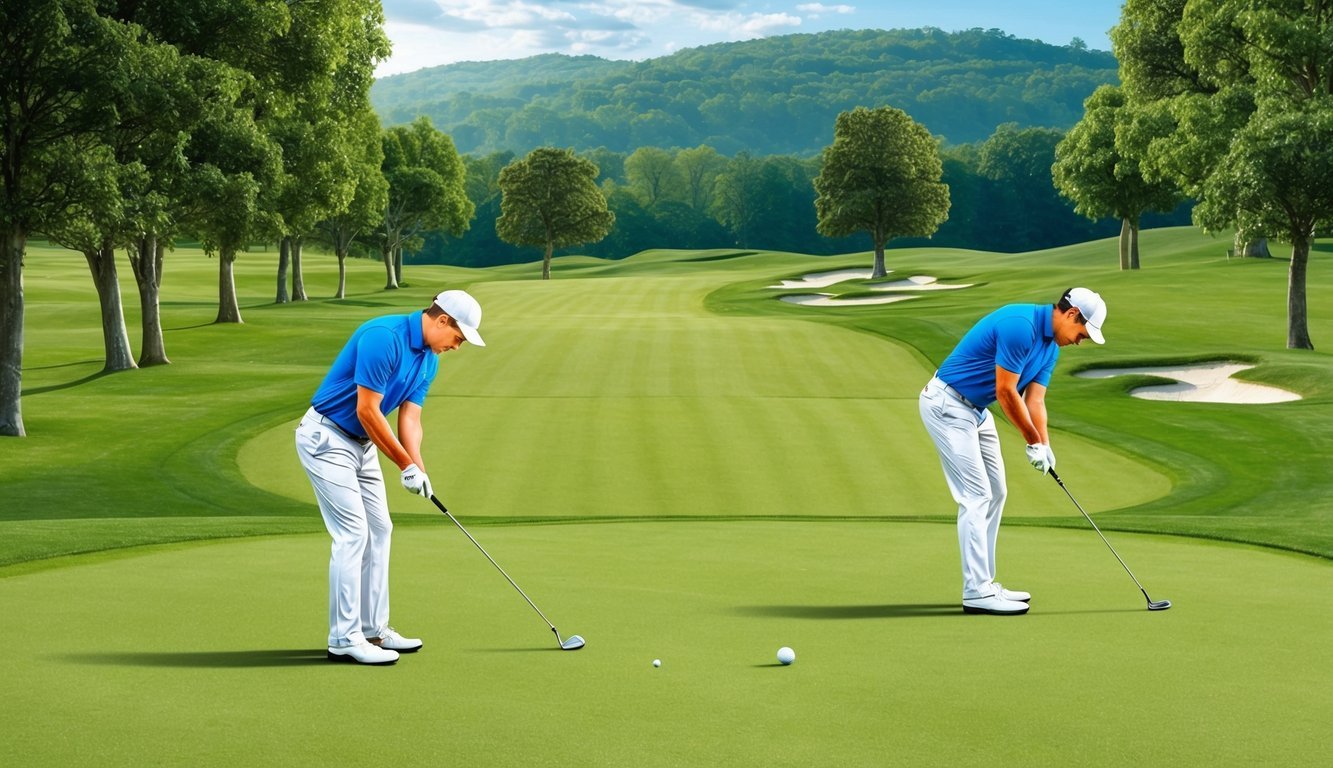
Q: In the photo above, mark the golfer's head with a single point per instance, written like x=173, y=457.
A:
x=1079, y=315
x=452, y=318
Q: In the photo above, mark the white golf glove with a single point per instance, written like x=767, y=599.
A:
x=1041, y=457
x=416, y=481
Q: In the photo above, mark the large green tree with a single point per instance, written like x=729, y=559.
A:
x=881, y=176
x=427, y=192
x=1101, y=180
x=1240, y=93
x=60, y=74
x=653, y=176
x=551, y=200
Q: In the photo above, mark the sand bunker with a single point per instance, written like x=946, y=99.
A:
x=917, y=283
x=825, y=279
x=1204, y=383
x=829, y=300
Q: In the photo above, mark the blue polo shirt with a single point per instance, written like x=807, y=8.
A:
x=386, y=355
x=1018, y=338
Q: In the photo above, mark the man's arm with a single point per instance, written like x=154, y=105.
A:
x=409, y=431
x=377, y=427
x=1020, y=412
x=1034, y=397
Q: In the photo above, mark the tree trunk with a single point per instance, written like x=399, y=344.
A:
x=546, y=261
x=298, y=279
x=115, y=338
x=1298, y=331
x=1124, y=243
x=387, y=254
x=1134, y=244
x=146, y=261
x=11, y=331
x=228, y=310
x=1252, y=249
x=879, y=270
x=284, y=257
x=398, y=264
x=341, y=252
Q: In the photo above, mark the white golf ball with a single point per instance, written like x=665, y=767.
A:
x=786, y=655
x=657, y=662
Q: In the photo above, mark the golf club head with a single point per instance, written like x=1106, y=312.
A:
x=1158, y=605
x=571, y=643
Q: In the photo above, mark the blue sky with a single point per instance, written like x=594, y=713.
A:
x=427, y=33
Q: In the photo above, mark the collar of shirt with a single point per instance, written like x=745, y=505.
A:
x=1043, y=319
x=418, y=341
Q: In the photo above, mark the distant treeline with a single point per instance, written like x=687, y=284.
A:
x=1001, y=190
x=773, y=96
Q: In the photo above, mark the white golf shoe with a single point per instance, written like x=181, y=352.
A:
x=1017, y=595
x=393, y=641
x=994, y=604
x=362, y=653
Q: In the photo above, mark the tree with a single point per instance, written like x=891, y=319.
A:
x=1239, y=93
x=60, y=74
x=653, y=175
x=699, y=168
x=1103, y=181
x=370, y=194
x=550, y=199
x=426, y=191
x=881, y=175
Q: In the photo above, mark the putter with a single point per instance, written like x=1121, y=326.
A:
x=1153, y=605
x=572, y=643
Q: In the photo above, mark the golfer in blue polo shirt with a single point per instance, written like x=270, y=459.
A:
x=388, y=364
x=1008, y=356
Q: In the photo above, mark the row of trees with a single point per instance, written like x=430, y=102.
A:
x=132, y=124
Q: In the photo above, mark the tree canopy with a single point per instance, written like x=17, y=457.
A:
x=550, y=199
x=881, y=175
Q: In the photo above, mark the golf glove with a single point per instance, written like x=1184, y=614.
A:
x=416, y=481
x=1041, y=457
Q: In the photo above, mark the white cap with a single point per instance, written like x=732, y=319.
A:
x=1093, y=309
x=465, y=311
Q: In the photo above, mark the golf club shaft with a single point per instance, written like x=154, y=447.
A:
x=497, y=565
x=1099, y=533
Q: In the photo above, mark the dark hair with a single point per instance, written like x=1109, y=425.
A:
x=1063, y=305
x=433, y=310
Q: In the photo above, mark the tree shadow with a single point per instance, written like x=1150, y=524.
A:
x=207, y=659
x=57, y=387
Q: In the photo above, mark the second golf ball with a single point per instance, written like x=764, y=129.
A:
x=786, y=655
x=657, y=662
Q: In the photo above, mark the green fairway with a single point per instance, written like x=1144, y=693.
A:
x=676, y=465
x=204, y=656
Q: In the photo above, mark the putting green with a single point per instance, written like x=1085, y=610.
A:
x=212, y=654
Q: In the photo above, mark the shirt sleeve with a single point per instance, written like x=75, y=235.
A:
x=418, y=395
x=376, y=360
x=1014, y=339
x=1043, y=376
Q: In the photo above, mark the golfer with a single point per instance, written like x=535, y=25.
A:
x=387, y=364
x=1008, y=356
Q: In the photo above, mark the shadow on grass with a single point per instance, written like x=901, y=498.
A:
x=66, y=385
x=852, y=611
x=207, y=659
x=906, y=610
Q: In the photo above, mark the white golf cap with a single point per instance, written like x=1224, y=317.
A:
x=1093, y=309
x=465, y=311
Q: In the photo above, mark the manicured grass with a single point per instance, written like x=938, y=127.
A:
x=761, y=479
x=210, y=655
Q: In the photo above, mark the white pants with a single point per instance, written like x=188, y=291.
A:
x=969, y=449
x=349, y=486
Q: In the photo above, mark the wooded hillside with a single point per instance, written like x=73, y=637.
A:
x=777, y=95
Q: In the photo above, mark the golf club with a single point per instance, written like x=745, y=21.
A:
x=1153, y=605
x=572, y=643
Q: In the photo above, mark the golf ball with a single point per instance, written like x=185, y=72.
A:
x=657, y=662
x=786, y=655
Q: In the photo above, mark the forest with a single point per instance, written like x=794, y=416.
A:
x=776, y=95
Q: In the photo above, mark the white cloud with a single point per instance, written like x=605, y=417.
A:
x=740, y=26
x=817, y=9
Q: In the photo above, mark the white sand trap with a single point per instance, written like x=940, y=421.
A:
x=917, y=283
x=1205, y=383
x=825, y=279
x=829, y=300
